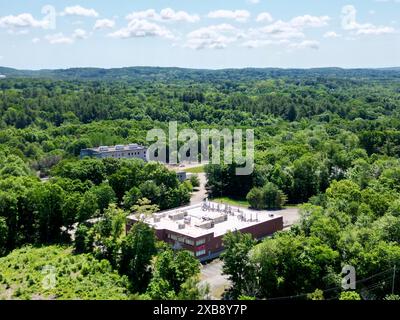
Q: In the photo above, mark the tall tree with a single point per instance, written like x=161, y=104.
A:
x=136, y=252
x=238, y=265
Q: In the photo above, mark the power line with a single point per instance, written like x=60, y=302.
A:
x=394, y=276
x=339, y=287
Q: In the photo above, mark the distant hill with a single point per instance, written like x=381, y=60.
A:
x=169, y=74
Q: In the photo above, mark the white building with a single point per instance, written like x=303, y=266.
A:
x=130, y=151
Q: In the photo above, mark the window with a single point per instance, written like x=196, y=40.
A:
x=189, y=242
x=200, y=242
x=200, y=253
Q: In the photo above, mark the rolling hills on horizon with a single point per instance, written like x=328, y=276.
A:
x=175, y=73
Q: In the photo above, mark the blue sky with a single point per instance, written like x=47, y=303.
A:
x=214, y=34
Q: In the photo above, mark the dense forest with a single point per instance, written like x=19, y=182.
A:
x=326, y=139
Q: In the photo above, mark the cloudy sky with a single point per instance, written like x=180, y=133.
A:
x=38, y=34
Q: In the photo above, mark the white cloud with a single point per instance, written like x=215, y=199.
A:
x=331, y=34
x=289, y=29
x=253, y=44
x=149, y=14
x=80, y=11
x=253, y=1
x=80, y=34
x=374, y=30
x=349, y=23
x=169, y=14
x=279, y=30
x=212, y=37
x=35, y=40
x=24, y=20
x=142, y=28
x=238, y=15
x=59, y=38
x=104, y=24
x=306, y=44
x=264, y=16
x=286, y=33
x=165, y=15
x=309, y=21
x=18, y=31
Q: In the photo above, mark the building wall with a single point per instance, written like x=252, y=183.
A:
x=213, y=246
x=258, y=231
x=122, y=154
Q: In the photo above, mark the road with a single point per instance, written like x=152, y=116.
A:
x=200, y=193
x=291, y=216
x=211, y=273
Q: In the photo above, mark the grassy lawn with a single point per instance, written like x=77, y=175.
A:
x=245, y=203
x=195, y=170
x=292, y=206
x=233, y=202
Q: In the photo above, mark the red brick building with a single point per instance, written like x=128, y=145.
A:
x=200, y=228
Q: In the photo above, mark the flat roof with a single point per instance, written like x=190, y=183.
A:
x=130, y=147
x=226, y=217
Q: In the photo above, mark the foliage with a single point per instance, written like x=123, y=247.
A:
x=329, y=137
x=137, y=251
x=237, y=264
x=23, y=275
x=268, y=197
x=349, y=295
x=316, y=295
x=195, y=181
x=174, y=275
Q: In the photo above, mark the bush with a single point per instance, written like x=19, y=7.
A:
x=256, y=198
x=268, y=197
x=349, y=295
x=195, y=181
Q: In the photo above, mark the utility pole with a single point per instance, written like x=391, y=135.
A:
x=394, y=276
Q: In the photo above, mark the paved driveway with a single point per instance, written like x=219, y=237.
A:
x=212, y=274
x=291, y=216
x=200, y=193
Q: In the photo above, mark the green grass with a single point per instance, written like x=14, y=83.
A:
x=292, y=206
x=23, y=276
x=246, y=204
x=195, y=170
x=233, y=202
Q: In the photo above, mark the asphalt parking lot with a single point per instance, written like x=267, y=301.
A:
x=211, y=273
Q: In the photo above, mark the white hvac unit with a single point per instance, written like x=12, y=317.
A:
x=181, y=226
x=119, y=147
x=103, y=148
